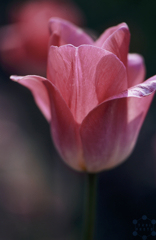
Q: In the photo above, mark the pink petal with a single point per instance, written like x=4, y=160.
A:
x=109, y=132
x=117, y=42
x=135, y=69
x=64, y=130
x=110, y=78
x=85, y=76
x=108, y=32
x=141, y=90
x=39, y=91
x=67, y=33
x=74, y=78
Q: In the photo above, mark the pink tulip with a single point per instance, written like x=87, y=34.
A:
x=94, y=96
x=24, y=43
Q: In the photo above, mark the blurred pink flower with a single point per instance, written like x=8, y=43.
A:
x=94, y=96
x=24, y=44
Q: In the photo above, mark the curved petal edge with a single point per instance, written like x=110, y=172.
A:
x=40, y=94
x=64, y=130
x=109, y=132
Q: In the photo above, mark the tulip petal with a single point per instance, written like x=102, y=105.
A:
x=109, y=132
x=109, y=31
x=81, y=86
x=117, y=42
x=39, y=91
x=135, y=69
x=64, y=130
x=111, y=77
x=67, y=33
x=67, y=72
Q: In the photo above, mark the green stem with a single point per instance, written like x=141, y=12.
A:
x=90, y=207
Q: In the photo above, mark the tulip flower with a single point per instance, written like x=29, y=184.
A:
x=24, y=43
x=94, y=97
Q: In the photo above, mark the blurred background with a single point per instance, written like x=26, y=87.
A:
x=40, y=197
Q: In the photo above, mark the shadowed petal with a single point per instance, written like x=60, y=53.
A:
x=64, y=129
x=135, y=69
x=100, y=41
x=64, y=32
x=39, y=91
x=109, y=132
x=111, y=77
x=118, y=43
